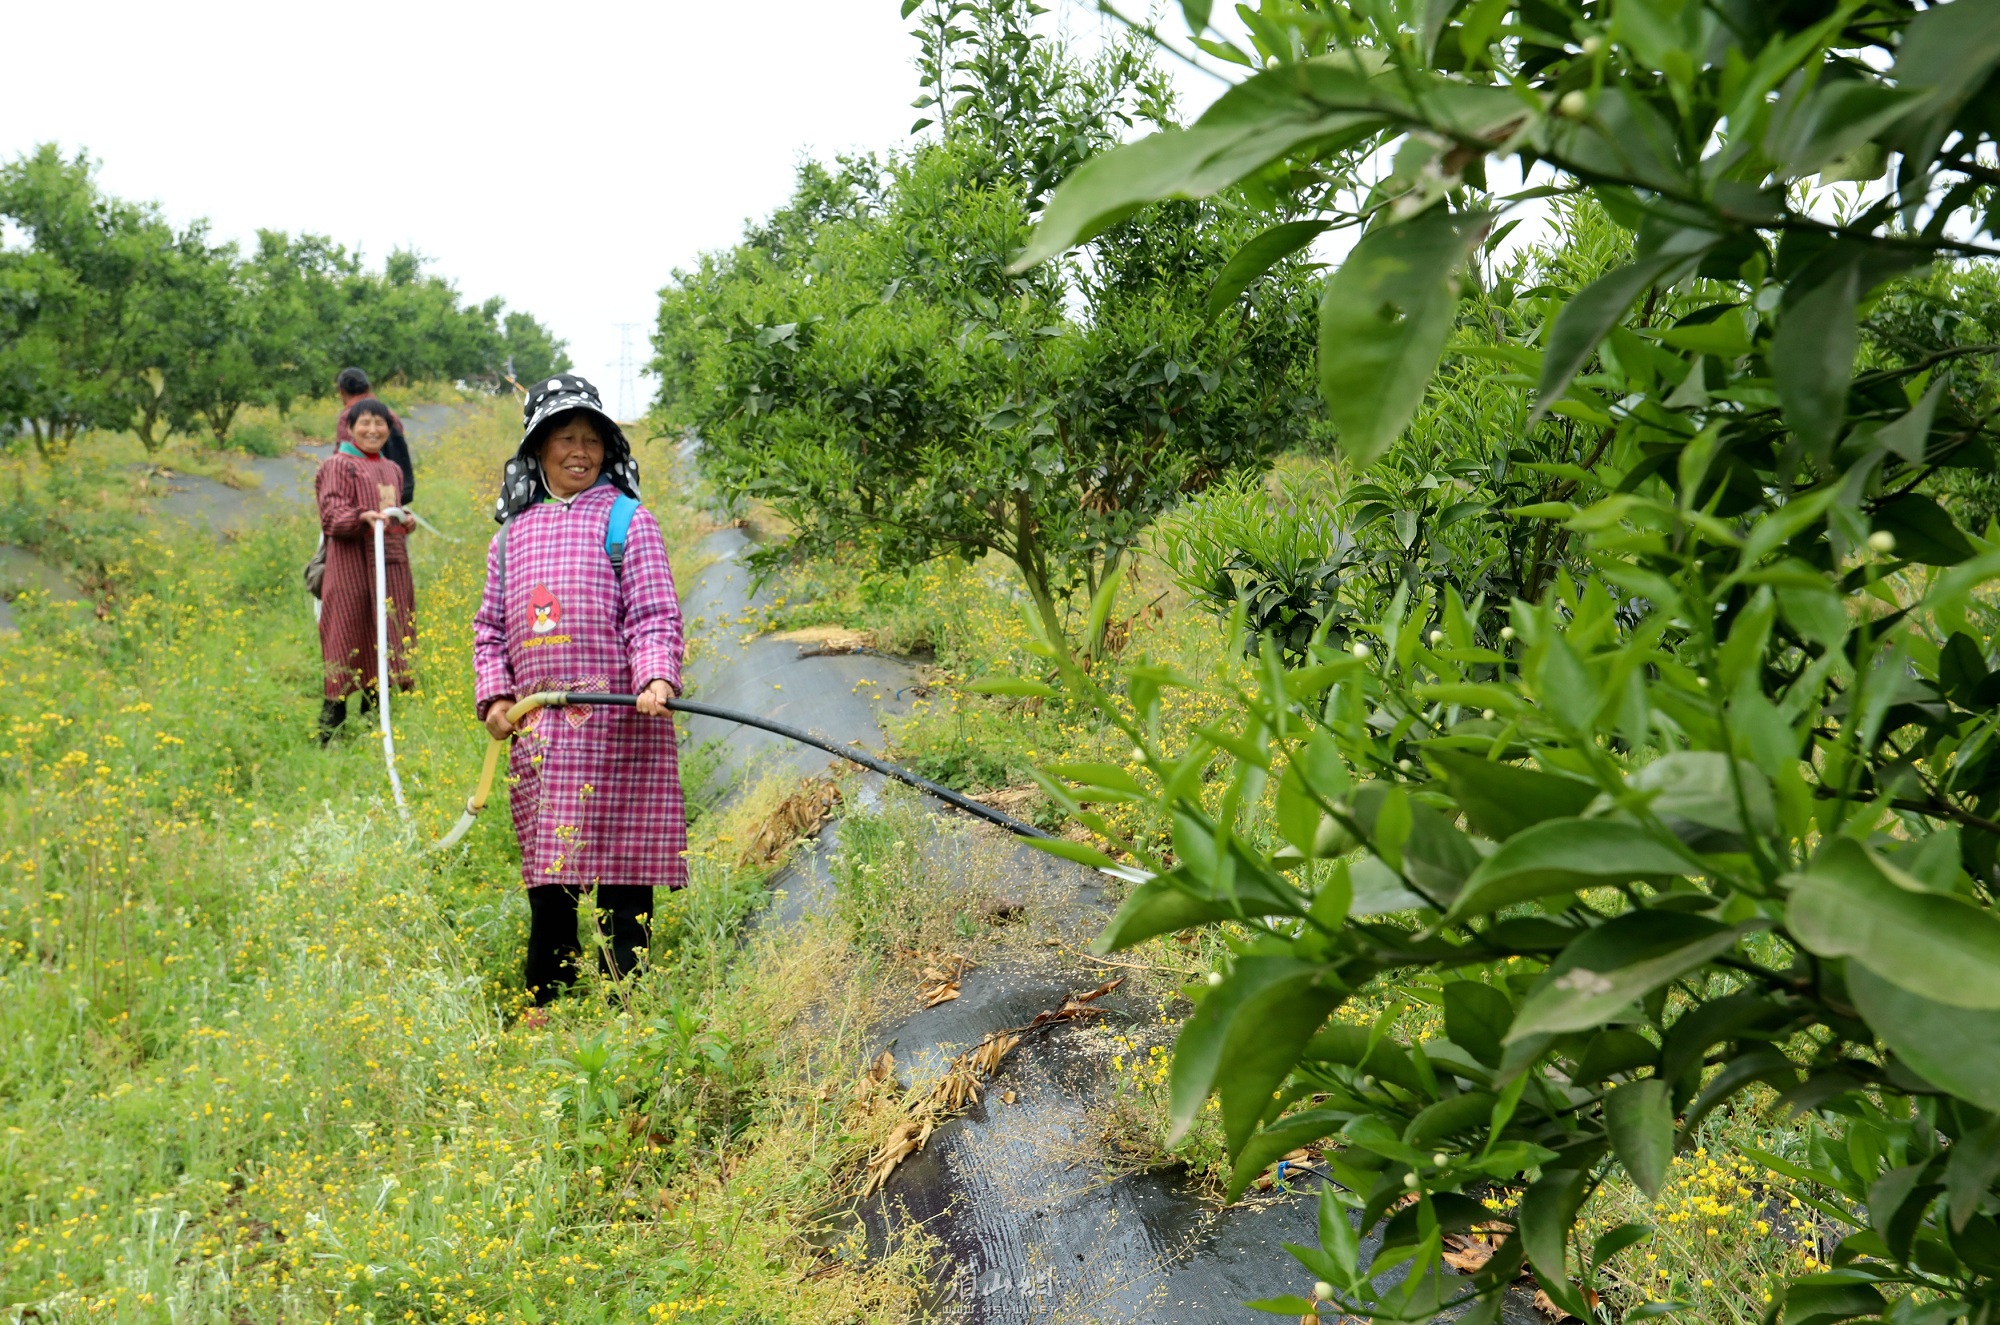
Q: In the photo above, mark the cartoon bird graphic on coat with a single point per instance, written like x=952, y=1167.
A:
x=547, y=610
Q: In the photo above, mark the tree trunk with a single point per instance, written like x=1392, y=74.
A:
x=1027, y=554
x=53, y=437
x=1045, y=602
x=149, y=422
x=219, y=420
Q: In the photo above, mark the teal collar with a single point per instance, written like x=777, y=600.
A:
x=349, y=448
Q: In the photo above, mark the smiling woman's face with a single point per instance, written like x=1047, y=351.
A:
x=371, y=433
x=572, y=456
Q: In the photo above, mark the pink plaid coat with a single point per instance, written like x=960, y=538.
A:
x=596, y=791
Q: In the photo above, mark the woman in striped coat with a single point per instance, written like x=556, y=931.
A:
x=354, y=488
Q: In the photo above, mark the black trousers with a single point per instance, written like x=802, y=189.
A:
x=624, y=919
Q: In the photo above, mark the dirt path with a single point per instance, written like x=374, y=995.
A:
x=1016, y=1193
x=21, y=571
x=842, y=696
x=283, y=482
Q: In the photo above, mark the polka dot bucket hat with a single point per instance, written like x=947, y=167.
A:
x=522, y=483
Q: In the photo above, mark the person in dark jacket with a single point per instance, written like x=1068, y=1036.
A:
x=352, y=384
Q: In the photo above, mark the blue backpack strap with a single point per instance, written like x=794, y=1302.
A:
x=616, y=529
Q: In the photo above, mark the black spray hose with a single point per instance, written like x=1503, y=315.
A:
x=847, y=752
x=565, y=698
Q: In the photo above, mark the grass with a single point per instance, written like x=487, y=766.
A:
x=261, y=1061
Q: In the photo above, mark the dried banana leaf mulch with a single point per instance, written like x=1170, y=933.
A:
x=801, y=814
x=960, y=1086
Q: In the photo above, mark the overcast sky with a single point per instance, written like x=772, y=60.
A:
x=564, y=157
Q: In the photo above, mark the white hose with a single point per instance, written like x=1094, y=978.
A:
x=382, y=658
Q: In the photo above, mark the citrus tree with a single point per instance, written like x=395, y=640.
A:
x=73, y=319
x=1710, y=810
x=111, y=318
x=867, y=365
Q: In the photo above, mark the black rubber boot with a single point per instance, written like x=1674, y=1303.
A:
x=367, y=701
x=332, y=712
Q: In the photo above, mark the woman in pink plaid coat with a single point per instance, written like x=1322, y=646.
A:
x=596, y=791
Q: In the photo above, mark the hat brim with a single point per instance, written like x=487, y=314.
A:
x=562, y=405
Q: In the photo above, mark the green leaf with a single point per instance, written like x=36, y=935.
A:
x=1079, y=852
x=1819, y=615
x=1639, y=1116
x=1831, y=120
x=1609, y=1244
x=1563, y=855
x=1174, y=163
x=1214, y=1050
x=1615, y=965
x=1379, y=890
x=1547, y=1210
x=1939, y=947
x=1101, y=602
x=1812, y=354
x=1500, y=800
x=1437, y=858
x=1335, y=898
x=1197, y=12
x=1384, y=319
x=1955, y=1049
x=1694, y=793
x=1593, y=311
x=1259, y=255
x=1171, y=903
x=1354, y=1046
x=1008, y=685
x=1284, y=1135
x=1336, y=1232
x=1909, y=436
x=1565, y=687
x=1799, y=1172
x=1614, y=1052
x=1222, y=50
x=1739, y=662
x=1708, y=1024
x=1738, y=1073
x=1437, y=13
x=1824, y=1299
x=1108, y=776
x=1476, y=1017
x=1298, y=812
x=1274, y=1022
x=1924, y=531
x=1449, y=1212
x=1958, y=582
x=1970, y=1171
x=1889, y=1199
x=1288, y=1305
x=1458, y=1115
x=1725, y=337
x=1948, y=51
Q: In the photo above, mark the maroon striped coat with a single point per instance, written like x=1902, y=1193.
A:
x=345, y=486
x=596, y=791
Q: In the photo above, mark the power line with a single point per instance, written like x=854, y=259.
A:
x=628, y=372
